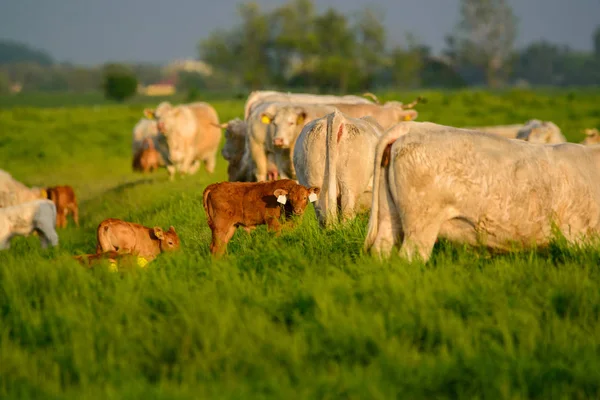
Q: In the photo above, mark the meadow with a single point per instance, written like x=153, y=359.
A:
x=304, y=315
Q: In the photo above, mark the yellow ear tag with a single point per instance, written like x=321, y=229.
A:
x=142, y=262
x=44, y=194
x=300, y=120
x=265, y=120
x=282, y=199
x=407, y=117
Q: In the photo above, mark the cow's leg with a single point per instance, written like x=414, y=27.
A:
x=222, y=232
x=420, y=236
x=260, y=161
x=193, y=167
x=75, y=211
x=210, y=162
x=172, y=170
x=348, y=200
x=274, y=225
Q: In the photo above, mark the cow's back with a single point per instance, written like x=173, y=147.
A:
x=208, y=133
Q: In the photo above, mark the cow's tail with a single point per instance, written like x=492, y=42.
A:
x=207, y=208
x=382, y=160
x=335, y=130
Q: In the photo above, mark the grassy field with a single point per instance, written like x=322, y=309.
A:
x=305, y=315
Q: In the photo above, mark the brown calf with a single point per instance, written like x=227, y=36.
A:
x=232, y=204
x=128, y=237
x=64, y=199
x=148, y=158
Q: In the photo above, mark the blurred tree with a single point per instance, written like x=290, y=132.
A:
x=407, y=63
x=484, y=38
x=370, y=43
x=596, y=40
x=4, y=83
x=14, y=52
x=119, y=82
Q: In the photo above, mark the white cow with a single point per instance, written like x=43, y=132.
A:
x=471, y=187
x=336, y=153
x=25, y=218
x=257, y=97
x=192, y=136
x=13, y=192
x=536, y=131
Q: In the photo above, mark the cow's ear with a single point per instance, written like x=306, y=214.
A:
x=301, y=117
x=171, y=229
x=158, y=232
x=314, y=189
x=149, y=113
x=280, y=192
x=265, y=118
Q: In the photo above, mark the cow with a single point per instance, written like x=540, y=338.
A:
x=240, y=166
x=13, y=192
x=146, y=128
x=336, y=153
x=25, y=218
x=192, y=135
x=289, y=120
x=477, y=188
x=592, y=136
x=129, y=237
x=259, y=141
x=536, y=131
x=257, y=97
x=148, y=158
x=507, y=131
x=229, y=205
x=64, y=199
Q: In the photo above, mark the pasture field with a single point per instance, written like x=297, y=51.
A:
x=305, y=315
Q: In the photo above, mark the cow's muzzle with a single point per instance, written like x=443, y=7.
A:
x=278, y=142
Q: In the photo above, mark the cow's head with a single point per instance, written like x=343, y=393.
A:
x=297, y=197
x=287, y=124
x=168, y=241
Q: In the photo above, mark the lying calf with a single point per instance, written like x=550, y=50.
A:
x=25, y=218
x=64, y=199
x=232, y=204
x=128, y=237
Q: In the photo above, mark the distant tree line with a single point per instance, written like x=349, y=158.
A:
x=295, y=47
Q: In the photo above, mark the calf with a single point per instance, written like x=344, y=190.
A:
x=128, y=237
x=25, y=218
x=232, y=204
x=148, y=158
x=64, y=199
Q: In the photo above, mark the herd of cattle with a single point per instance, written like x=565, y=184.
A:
x=497, y=186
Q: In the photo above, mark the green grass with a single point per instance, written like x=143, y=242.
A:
x=305, y=315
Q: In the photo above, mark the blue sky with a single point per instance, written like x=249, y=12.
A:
x=91, y=32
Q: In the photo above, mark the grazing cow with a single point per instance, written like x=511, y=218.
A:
x=148, y=159
x=471, y=187
x=147, y=128
x=259, y=96
x=192, y=134
x=232, y=204
x=13, y=192
x=25, y=218
x=128, y=237
x=592, y=136
x=235, y=151
x=64, y=199
x=336, y=153
x=536, y=131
